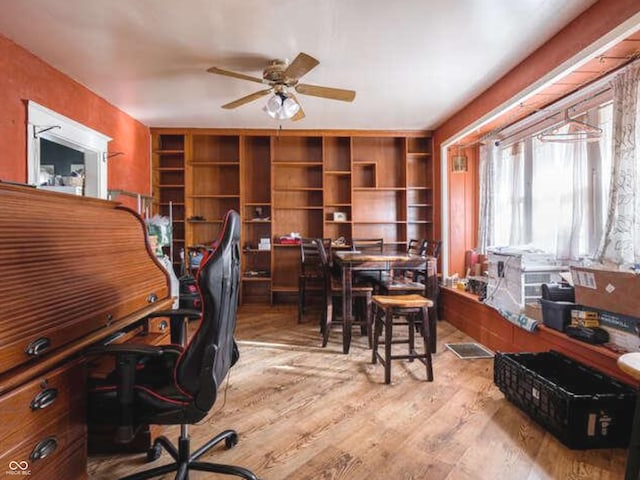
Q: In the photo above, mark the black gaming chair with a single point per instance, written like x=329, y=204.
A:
x=168, y=385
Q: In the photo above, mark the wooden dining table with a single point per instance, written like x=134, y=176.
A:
x=354, y=261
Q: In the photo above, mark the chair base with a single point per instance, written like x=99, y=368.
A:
x=186, y=461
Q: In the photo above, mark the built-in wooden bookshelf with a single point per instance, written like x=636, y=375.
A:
x=257, y=218
x=326, y=184
x=168, y=178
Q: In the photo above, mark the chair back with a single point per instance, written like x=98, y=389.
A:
x=212, y=350
x=310, y=261
x=416, y=247
x=326, y=268
x=432, y=248
x=368, y=244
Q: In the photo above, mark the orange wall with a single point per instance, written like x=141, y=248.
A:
x=25, y=77
x=463, y=208
x=594, y=23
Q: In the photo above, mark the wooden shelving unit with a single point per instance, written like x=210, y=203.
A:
x=296, y=177
x=256, y=214
x=168, y=178
x=419, y=188
x=316, y=183
x=213, y=179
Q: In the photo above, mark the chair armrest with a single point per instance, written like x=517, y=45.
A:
x=178, y=312
x=177, y=317
x=138, y=350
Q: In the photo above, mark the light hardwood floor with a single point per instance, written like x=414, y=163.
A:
x=307, y=413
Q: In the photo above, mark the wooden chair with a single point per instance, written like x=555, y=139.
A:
x=432, y=248
x=402, y=310
x=416, y=247
x=333, y=291
x=368, y=244
x=311, y=272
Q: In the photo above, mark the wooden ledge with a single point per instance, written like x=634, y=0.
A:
x=484, y=324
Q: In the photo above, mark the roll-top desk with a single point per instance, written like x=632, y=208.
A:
x=74, y=271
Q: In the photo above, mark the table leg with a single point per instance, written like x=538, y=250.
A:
x=346, y=308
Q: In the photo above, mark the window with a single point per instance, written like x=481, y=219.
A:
x=76, y=154
x=553, y=195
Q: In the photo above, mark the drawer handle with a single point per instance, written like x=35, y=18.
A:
x=44, y=448
x=37, y=347
x=152, y=298
x=44, y=399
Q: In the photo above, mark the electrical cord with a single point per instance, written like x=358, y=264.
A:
x=491, y=296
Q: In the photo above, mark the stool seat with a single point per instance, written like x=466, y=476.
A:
x=630, y=364
x=414, y=309
x=402, y=301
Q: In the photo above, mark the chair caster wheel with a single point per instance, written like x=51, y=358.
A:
x=231, y=441
x=154, y=453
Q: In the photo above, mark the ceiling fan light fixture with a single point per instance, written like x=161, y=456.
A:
x=281, y=106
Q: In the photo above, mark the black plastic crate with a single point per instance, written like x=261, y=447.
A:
x=582, y=407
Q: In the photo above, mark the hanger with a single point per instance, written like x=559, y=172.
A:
x=577, y=131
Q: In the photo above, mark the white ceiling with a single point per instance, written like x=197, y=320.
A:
x=413, y=63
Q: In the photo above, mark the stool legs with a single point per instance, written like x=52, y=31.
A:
x=427, y=336
x=302, y=285
x=383, y=317
x=388, y=337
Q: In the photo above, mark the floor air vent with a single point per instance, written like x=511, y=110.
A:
x=468, y=351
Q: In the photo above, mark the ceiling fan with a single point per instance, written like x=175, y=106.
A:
x=281, y=77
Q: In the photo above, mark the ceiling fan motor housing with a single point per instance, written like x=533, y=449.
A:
x=275, y=73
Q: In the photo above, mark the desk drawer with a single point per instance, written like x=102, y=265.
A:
x=58, y=447
x=30, y=409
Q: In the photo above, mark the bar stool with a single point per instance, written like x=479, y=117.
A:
x=413, y=309
x=630, y=364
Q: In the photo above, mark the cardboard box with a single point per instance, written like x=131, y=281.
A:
x=610, y=290
x=624, y=331
x=584, y=318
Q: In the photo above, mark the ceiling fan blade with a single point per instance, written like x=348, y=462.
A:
x=298, y=116
x=229, y=73
x=247, y=99
x=300, y=113
x=302, y=64
x=326, y=92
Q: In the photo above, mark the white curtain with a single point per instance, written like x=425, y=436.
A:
x=508, y=201
x=488, y=152
x=560, y=182
x=621, y=241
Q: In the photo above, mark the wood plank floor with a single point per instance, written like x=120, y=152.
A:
x=307, y=413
